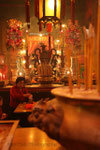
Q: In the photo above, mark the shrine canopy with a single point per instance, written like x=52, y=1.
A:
x=35, y=40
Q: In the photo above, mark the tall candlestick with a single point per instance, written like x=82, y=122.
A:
x=69, y=69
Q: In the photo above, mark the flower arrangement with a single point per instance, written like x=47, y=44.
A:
x=73, y=34
x=14, y=34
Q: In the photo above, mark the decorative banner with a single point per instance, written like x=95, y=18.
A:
x=35, y=40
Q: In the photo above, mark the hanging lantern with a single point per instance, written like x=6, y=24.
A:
x=49, y=26
x=49, y=11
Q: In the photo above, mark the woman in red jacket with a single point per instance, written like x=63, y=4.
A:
x=18, y=93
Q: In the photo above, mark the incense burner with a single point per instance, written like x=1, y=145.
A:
x=80, y=128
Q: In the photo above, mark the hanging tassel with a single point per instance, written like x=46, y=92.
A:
x=49, y=26
x=27, y=9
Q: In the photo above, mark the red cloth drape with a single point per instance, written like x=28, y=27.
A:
x=35, y=40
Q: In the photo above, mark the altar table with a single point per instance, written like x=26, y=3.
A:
x=33, y=139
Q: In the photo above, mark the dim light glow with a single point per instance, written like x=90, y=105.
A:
x=58, y=41
x=59, y=61
x=20, y=73
x=51, y=4
x=23, y=40
x=58, y=52
x=30, y=66
x=62, y=31
x=26, y=31
x=24, y=61
x=23, y=52
x=40, y=35
x=63, y=26
x=68, y=72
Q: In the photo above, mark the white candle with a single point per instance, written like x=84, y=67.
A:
x=4, y=76
x=0, y=76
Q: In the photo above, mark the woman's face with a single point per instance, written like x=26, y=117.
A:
x=21, y=84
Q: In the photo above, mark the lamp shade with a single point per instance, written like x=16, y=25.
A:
x=49, y=10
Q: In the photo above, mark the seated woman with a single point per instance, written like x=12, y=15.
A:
x=19, y=93
x=2, y=115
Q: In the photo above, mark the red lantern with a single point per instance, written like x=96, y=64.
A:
x=49, y=26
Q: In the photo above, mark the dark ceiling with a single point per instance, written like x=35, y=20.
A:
x=85, y=10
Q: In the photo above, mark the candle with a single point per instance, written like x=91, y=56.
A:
x=3, y=76
x=0, y=76
x=69, y=69
x=85, y=58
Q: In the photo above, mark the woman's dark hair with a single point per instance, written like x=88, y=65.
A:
x=20, y=79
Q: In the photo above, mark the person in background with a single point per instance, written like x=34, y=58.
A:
x=2, y=115
x=18, y=93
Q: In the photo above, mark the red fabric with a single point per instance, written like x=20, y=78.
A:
x=49, y=27
x=16, y=96
x=35, y=40
x=29, y=106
